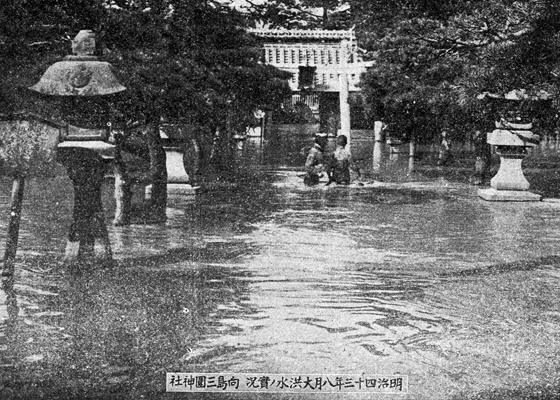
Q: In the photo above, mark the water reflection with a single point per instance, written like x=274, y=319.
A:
x=9, y=312
x=420, y=278
x=123, y=327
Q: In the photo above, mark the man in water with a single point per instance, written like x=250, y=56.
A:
x=483, y=153
x=341, y=163
x=445, y=155
x=314, y=164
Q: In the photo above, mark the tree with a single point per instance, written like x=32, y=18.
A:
x=302, y=14
x=188, y=62
x=182, y=62
x=434, y=59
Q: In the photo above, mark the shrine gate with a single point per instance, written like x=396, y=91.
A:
x=322, y=62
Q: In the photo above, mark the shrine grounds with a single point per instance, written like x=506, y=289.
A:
x=413, y=275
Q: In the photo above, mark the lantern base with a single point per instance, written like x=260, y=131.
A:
x=510, y=176
x=182, y=189
x=508, y=195
x=97, y=252
x=174, y=189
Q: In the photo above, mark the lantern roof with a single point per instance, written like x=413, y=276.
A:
x=79, y=74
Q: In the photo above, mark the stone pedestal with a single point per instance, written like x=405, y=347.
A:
x=510, y=183
x=508, y=195
x=174, y=190
x=176, y=172
x=88, y=239
x=510, y=175
x=178, y=181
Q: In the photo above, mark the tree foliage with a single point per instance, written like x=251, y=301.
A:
x=189, y=61
x=297, y=14
x=180, y=60
x=433, y=57
x=28, y=147
x=433, y=60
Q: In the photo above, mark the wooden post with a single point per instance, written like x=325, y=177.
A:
x=13, y=226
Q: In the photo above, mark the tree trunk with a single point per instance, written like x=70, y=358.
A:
x=157, y=202
x=123, y=193
x=221, y=153
x=13, y=226
x=193, y=159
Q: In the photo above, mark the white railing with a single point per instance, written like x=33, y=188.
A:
x=327, y=78
x=309, y=54
x=303, y=34
x=331, y=59
x=310, y=100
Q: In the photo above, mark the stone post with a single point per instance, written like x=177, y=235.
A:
x=377, y=147
x=411, y=155
x=345, y=126
x=344, y=107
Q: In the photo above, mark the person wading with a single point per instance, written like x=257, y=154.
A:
x=483, y=153
x=341, y=163
x=445, y=156
x=314, y=164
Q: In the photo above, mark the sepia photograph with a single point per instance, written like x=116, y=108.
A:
x=280, y=199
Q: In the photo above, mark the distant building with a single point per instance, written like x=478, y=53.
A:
x=316, y=59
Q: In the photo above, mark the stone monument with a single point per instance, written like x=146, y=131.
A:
x=512, y=137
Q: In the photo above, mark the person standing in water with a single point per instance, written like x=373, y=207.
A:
x=483, y=153
x=341, y=163
x=314, y=163
x=445, y=155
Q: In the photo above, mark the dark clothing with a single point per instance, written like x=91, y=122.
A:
x=340, y=166
x=445, y=155
x=483, y=153
x=481, y=147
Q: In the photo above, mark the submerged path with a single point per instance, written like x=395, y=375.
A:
x=422, y=279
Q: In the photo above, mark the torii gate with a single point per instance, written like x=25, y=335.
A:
x=320, y=61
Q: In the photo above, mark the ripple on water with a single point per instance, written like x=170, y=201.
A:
x=424, y=279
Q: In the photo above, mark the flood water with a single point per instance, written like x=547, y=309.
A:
x=418, y=278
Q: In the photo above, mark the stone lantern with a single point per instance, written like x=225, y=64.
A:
x=513, y=136
x=84, y=152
